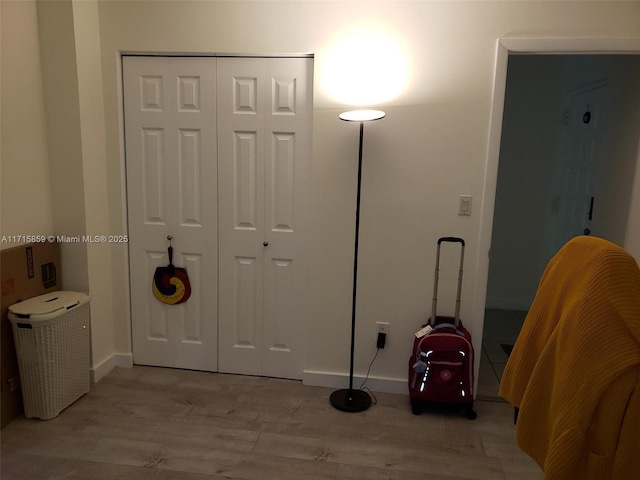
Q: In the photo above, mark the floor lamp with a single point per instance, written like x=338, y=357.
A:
x=350, y=399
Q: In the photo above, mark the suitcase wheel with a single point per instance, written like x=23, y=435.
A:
x=471, y=414
x=416, y=407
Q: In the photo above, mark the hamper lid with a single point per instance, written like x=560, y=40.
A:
x=48, y=304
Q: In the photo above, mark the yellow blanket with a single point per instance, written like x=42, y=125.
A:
x=575, y=369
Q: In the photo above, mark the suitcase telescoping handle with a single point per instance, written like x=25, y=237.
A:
x=435, y=282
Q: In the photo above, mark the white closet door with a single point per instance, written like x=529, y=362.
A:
x=264, y=150
x=170, y=129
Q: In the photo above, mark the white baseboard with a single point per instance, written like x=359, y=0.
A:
x=123, y=360
x=341, y=380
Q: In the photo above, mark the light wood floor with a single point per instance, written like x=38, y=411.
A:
x=154, y=423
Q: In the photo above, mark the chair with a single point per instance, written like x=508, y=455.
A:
x=573, y=376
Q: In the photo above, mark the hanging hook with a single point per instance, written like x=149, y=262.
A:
x=169, y=237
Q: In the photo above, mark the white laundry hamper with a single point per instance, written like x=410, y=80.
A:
x=52, y=337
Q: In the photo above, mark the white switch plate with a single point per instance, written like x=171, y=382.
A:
x=464, y=205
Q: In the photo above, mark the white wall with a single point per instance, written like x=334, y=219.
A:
x=70, y=44
x=24, y=170
x=431, y=147
x=94, y=168
x=60, y=78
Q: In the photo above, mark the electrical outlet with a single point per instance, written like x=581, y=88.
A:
x=382, y=327
x=382, y=333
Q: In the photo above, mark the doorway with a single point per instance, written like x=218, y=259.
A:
x=543, y=96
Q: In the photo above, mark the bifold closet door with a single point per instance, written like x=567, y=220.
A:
x=171, y=165
x=264, y=150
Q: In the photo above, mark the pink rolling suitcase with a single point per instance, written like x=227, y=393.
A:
x=441, y=364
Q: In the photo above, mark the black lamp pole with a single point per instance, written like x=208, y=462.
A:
x=350, y=399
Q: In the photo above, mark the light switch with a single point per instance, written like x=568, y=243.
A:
x=464, y=207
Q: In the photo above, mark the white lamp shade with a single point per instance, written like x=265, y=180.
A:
x=361, y=115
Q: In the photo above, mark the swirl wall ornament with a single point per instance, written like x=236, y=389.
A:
x=171, y=284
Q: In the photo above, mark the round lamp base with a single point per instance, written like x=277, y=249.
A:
x=349, y=400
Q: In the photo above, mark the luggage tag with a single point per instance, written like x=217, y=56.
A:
x=424, y=331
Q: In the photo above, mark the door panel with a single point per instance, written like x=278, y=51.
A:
x=287, y=172
x=247, y=306
x=578, y=163
x=585, y=121
x=153, y=175
x=189, y=164
x=241, y=169
x=264, y=151
x=170, y=131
